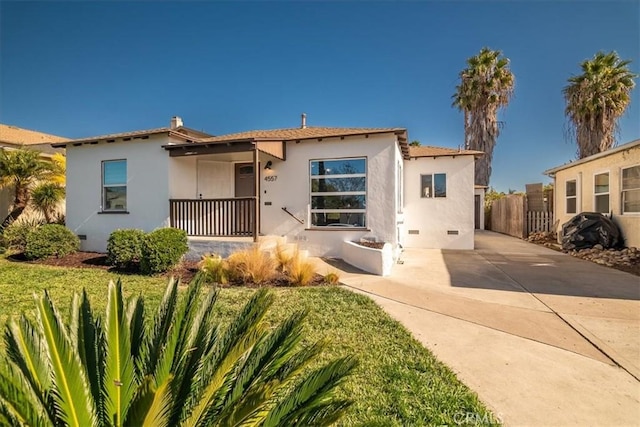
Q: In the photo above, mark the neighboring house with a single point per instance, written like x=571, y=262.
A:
x=13, y=137
x=607, y=182
x=316, y=186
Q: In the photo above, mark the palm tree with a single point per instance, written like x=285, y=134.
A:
x=486, y=85
x=46, y=198
x=596, y=99
x=20, y=170
x=181, y=369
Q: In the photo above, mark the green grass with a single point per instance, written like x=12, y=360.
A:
x=398, y=381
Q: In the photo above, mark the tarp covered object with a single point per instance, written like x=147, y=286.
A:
x=588, y=229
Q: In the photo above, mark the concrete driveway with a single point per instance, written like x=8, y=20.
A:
x=542, y=337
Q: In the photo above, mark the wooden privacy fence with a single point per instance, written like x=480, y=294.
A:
x=510, y=215
x=507, y=216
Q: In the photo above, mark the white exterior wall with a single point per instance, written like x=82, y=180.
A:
x=291, y=189
x=433, y=217
x=147, y=189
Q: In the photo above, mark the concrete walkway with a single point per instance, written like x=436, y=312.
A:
x=542, y=337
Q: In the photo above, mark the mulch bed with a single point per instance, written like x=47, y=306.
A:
x=186, y=270
x=368, y=244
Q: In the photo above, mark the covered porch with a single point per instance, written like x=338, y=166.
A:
x=214, y=188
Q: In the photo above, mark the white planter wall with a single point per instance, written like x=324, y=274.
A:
x=375, y=261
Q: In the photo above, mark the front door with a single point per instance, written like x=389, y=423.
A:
x=245, y=180
x=245, y=186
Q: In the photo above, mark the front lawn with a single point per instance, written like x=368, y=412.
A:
x=398, y=381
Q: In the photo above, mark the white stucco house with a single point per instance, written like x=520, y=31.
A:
x=316, y=186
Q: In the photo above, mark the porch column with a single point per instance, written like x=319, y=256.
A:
x=256, y=173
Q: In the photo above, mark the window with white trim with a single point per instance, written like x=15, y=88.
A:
x=338, y=192
x=601, y=192
x=433, y=185
x=114, y=185
x=631, y=190
x=571, y=196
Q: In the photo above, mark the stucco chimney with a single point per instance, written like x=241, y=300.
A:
x=303, y=125
x=176, y=122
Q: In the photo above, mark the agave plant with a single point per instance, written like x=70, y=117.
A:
x=181, y=369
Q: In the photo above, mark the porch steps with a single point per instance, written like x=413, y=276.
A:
x=199, y=246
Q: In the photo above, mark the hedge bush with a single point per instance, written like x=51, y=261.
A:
x=51, y=240
x=15, y=235
x=124, y=248
x=162, y=249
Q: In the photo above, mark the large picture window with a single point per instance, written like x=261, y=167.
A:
x=631, y=190
x=338, y=192
x=571, y=196
x=114, y=185
x=433, y=185
x=601, y=192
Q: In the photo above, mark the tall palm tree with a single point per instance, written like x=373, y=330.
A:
x=596, y=99
x=181, y=369
x=486, y=85
x=20, y=170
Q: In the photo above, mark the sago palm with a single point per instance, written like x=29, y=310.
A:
x=595, y=101
x=19, y=170
x=180, y=369
x=486, y=85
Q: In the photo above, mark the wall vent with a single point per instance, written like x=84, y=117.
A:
x=452, y=232
x=414, y=231
x=82, y=236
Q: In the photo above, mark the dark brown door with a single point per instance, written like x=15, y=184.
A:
x=478, y=205
x=245, y=185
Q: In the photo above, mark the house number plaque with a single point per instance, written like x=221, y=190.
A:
x=271, y=178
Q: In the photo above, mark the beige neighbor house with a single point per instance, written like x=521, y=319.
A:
x=607, y=182
x=13, y=137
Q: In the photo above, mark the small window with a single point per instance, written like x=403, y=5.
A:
x=114, y=185
x=433, y=185
x=338, y=192
x=601, y=192
x=631, y=190
x=571, y=196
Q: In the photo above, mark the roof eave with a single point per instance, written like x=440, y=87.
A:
x=552, y=172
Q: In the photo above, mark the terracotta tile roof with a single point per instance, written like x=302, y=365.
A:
x=430, y=151
x=15, y=135
x=299, y=133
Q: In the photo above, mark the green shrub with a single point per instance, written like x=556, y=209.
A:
x=124, y=248
x=15, y=235
x=51, y=240
x=214, y=269
x=162, y=249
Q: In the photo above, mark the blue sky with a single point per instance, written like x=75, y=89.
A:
x=78, y=69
